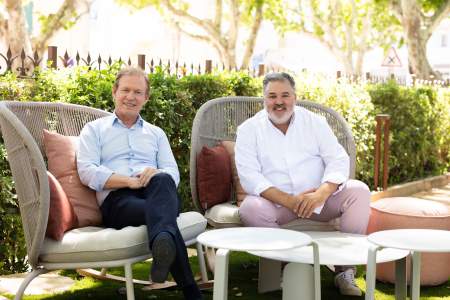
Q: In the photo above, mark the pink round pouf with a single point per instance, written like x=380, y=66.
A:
x=410, y=212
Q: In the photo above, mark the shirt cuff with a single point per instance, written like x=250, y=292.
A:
x=335, y=177
x=101, y=177
x=340, y=188
x=262, y=186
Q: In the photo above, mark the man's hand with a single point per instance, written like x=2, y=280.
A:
x=146, y=175
x=311, y=200
x=134, y=183
x=299, y=199
x=314, y=198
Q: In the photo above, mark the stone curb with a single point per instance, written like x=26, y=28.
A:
x=414, y=187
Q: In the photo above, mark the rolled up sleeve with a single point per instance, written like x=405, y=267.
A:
x=90, y=171
x=248, y=166
x=166, y=160
x=335, y=158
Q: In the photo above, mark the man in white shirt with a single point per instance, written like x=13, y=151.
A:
x=292, y=166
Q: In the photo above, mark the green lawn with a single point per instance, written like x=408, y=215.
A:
x=242, y=285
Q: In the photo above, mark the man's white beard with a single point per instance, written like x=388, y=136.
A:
x=279, y=120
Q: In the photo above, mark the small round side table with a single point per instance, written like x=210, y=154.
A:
x=252, y=239
x=414, y=240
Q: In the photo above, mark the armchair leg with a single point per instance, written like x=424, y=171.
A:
x=129, y=282
x=35, y=273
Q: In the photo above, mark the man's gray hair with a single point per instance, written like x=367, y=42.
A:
x=132, y=71
x=281, y=76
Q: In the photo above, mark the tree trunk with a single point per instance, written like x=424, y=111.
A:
x=65, y=12
x=416, y=40
x=359, y=62
x=16, y=33
x=250, y=46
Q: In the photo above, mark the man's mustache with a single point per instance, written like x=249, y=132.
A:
x=277, y=106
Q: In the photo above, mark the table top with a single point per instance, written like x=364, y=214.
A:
x=253, y=238
x=423, y=240
x=335, y=248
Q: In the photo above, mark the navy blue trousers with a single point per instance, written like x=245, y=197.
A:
x=157, y=206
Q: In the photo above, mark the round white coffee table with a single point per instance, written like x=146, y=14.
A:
x=252, y=239
x=414, y=240
x=336, y=248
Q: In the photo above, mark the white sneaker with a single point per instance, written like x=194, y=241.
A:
x=345, y=281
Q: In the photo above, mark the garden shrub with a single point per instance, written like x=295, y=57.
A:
x=353, y=102
x=420, y=118
x=12, y=245
x=419, y=129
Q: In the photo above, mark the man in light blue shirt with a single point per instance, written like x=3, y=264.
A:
x=130, y=165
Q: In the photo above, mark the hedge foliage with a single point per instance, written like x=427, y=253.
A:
x=420, y=142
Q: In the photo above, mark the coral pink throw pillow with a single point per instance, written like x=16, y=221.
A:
x=61, y=157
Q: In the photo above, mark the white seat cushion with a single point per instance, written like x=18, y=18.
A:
x=97, y=243
x=227, y=215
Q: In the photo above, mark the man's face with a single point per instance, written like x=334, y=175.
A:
x=130, y=96
x=279, y=101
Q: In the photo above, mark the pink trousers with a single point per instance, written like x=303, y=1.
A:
x=351, y=204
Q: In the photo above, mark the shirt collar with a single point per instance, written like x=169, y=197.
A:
x=115, y=120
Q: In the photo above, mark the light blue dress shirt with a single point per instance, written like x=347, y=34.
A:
x=107, y=146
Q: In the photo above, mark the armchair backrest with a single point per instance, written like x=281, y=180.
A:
x=218, y=119
x=22, y=125
x=63, y=118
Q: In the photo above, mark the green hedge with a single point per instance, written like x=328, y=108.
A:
x=419, y=137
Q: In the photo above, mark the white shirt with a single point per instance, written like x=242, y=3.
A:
x=308, y=155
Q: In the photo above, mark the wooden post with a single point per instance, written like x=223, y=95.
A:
x=261, y=70
x=53, y=56
x=208, y=66
x=141, y=61
x=367, y=76
x=376, y=174
x=338, y=74
x=387, y=124
x=381, y=118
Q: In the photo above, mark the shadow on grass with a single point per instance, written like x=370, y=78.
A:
x=243, y=282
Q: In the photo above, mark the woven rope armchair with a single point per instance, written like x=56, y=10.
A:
x=22, y=125
x=217, y=120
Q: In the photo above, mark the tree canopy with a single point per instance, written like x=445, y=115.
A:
x=348, y=28
x=13, y=30
x=419, y=18
x=226, y=21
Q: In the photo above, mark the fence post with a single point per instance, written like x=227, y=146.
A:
x=367, y=76
x=338, y=74
x=53, y=56
x=386, y=119
x=261, y=70
x=208, y=66
x=141, y=61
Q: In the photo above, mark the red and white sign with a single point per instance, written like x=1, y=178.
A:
x=391, y=59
